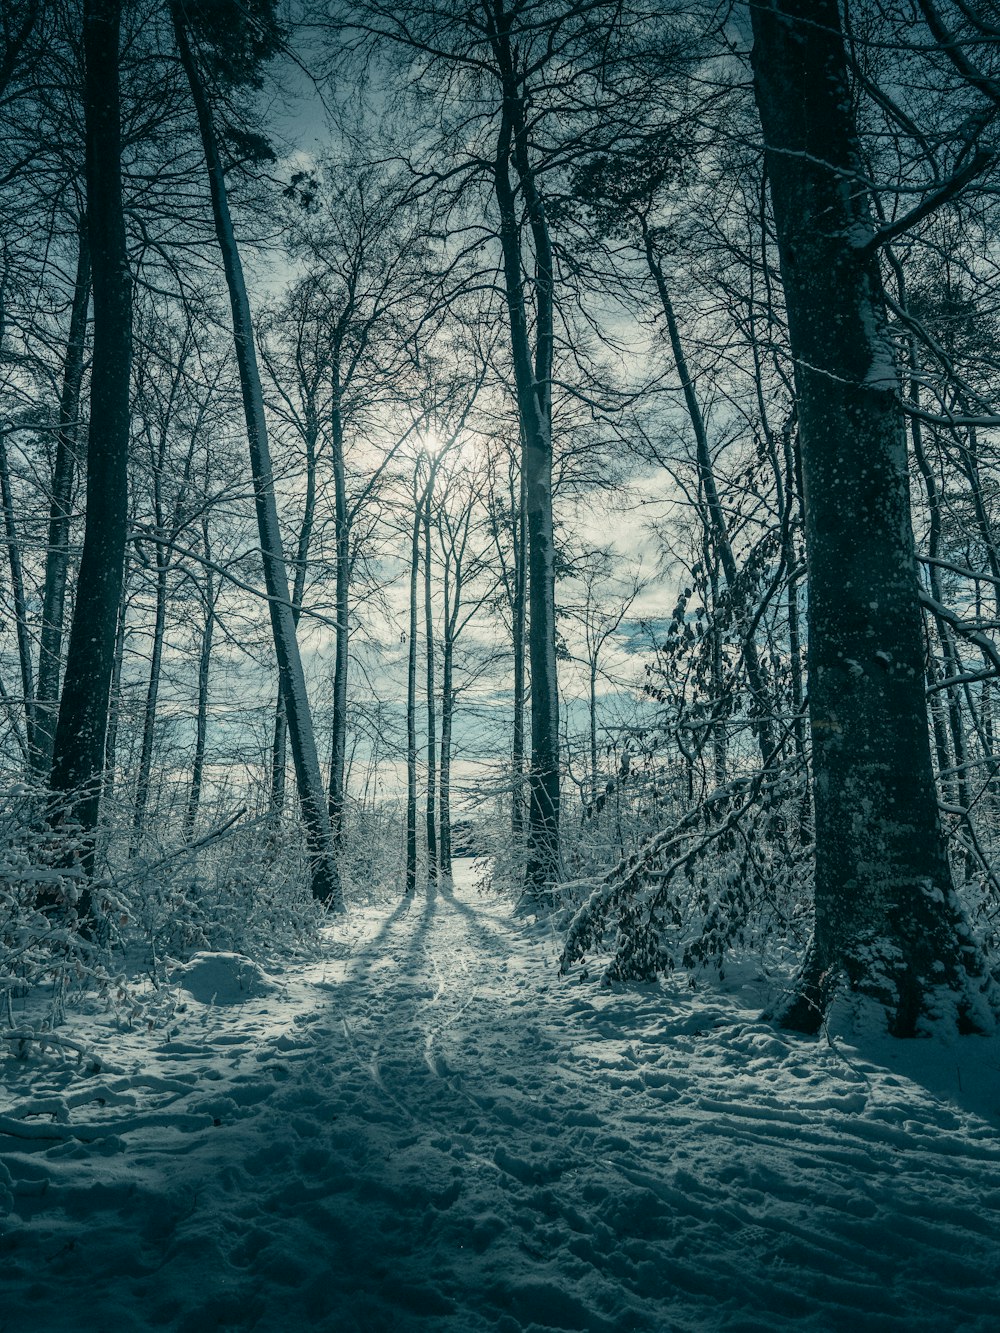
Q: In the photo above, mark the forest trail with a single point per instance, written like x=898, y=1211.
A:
x=428, y=1130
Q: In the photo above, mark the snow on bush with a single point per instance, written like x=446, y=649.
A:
x=727, y=877
x=222, y=978
x=242, y=892
x=40, y=942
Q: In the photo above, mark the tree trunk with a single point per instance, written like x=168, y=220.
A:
x=793, y=488
x=342, y=528
x=278, y=749
x=115, y=699
x=592, y=701
x=81, y=730
x=323, y=868
x=533, y=380
x=57, y=550
x=17, y=591
x=720, y=710
x=152, y=699
x=431, y=813
x=279, y=755
x=887, y=918
x=201, y=718
x=448, y=619
x=411, y=702
x=518, y=611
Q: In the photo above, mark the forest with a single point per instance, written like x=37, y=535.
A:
x=499, y=633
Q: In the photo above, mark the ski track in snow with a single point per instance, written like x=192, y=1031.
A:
x=429, y=1130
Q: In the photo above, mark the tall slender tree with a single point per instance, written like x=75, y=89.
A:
x=430, y=820
x=257, y=42
x=410, y=875
x=63, y=473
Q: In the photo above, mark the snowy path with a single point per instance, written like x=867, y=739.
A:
x=428, y=1130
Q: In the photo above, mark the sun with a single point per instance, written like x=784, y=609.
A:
x=452, y=452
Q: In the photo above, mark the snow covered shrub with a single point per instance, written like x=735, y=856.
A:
x=243, y=888
x=42, y=948
x=500, y=858
x=372, y=859
x=641, y=795
x=730, y=875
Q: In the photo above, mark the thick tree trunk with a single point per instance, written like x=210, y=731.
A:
x=323, y=868
x=81, y=730
x=887, y=918
x=57, y=550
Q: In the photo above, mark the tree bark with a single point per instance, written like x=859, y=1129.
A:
x=81, y=730
x=888, y=922
x=324, y=875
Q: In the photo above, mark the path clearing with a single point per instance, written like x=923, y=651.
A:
x=428, y=1130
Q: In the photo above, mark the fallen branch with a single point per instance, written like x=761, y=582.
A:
x=25, y=1036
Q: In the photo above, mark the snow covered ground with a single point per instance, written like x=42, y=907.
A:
x=429, y=1130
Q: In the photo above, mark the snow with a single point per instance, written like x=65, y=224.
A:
x=426, y=1129
x=221, y=978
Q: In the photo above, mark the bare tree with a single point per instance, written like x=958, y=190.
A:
x=887, y=920
x=63, y=473
x=79, y=743
x=323, y=868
